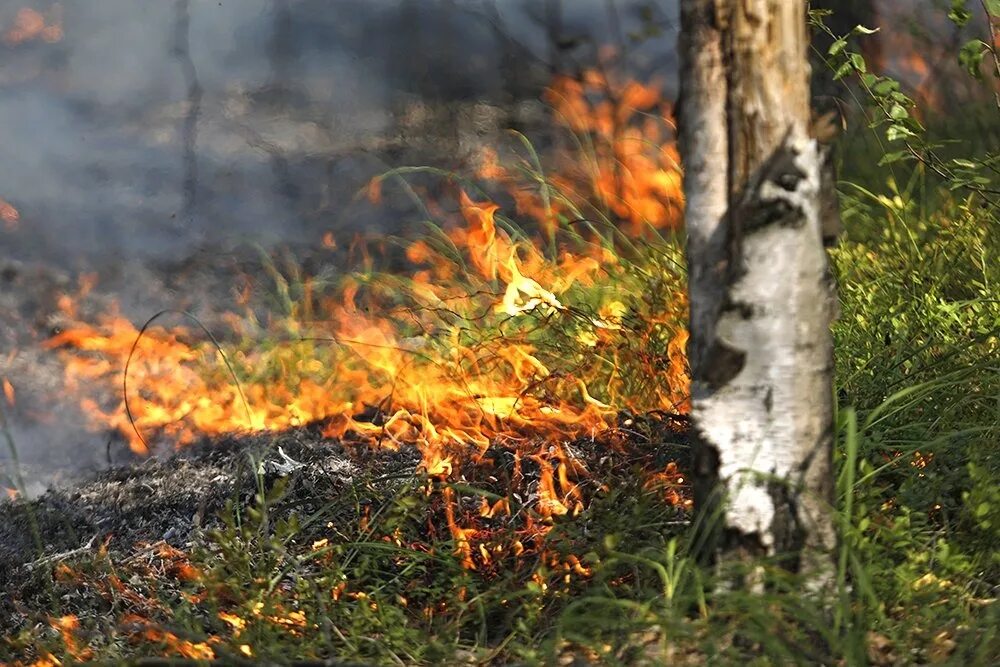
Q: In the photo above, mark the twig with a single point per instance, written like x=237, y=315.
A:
x=48, y=560
x=148, y=550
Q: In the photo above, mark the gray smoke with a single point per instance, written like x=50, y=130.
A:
x=154, y=128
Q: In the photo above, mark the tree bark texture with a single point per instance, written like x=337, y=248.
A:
x=761, y=293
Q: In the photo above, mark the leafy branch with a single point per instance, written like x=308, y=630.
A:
x=894, y=110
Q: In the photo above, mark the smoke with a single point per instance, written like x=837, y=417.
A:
x=152, y=129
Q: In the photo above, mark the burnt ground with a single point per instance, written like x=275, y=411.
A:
x=171, y=498
x=170, y=501
x=174, y=500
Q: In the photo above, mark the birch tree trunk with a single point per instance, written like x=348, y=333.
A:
x=761, y=293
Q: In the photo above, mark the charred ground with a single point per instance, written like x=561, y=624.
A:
x=171, y=504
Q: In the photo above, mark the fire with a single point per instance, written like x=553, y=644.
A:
x=9, y=215
x=237, y=623
x=630, y=170
x=30, y=25
x=635, y=164
x=670, y=482
x=8, y=391
x=145, y=630
x=67, y=626
x=530, y=337
x=443, y=393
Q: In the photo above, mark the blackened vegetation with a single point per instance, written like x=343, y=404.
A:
x=163, y=499
x=177, y=501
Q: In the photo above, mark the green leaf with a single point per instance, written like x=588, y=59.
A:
x=896, y=132
x=970, y=56
x=842, y=71
x=862, y=30
x=993, y=7
x=894, y=156
x=837, y=47
x=859, y=62
x=959, y=15
x=898, y=112
x=885, y=86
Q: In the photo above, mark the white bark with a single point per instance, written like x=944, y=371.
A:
x=760, y=287
x=766, y=409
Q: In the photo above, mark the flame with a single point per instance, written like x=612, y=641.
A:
x=148, y=631
x=237, y=623
x=67, y=627
x=520, y=336
x=670, y=482
x=9, y=215
x=631, y=171
x=30, y=25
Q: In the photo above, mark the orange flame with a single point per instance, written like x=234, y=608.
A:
x=67, y=627
x=173, y=644
x=9, y=215
x=453, y=358
x=8, y=391
x=30, y=25
x=633, y=169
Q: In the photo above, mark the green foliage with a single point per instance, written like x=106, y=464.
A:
x=918, y=355
x=893, y=113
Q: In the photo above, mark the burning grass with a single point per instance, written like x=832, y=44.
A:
x=496, y=330
x=524, y=336
x=527, y=360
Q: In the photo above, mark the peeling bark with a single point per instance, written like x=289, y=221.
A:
x=761, y=293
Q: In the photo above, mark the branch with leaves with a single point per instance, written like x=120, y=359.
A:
x=894, y=110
